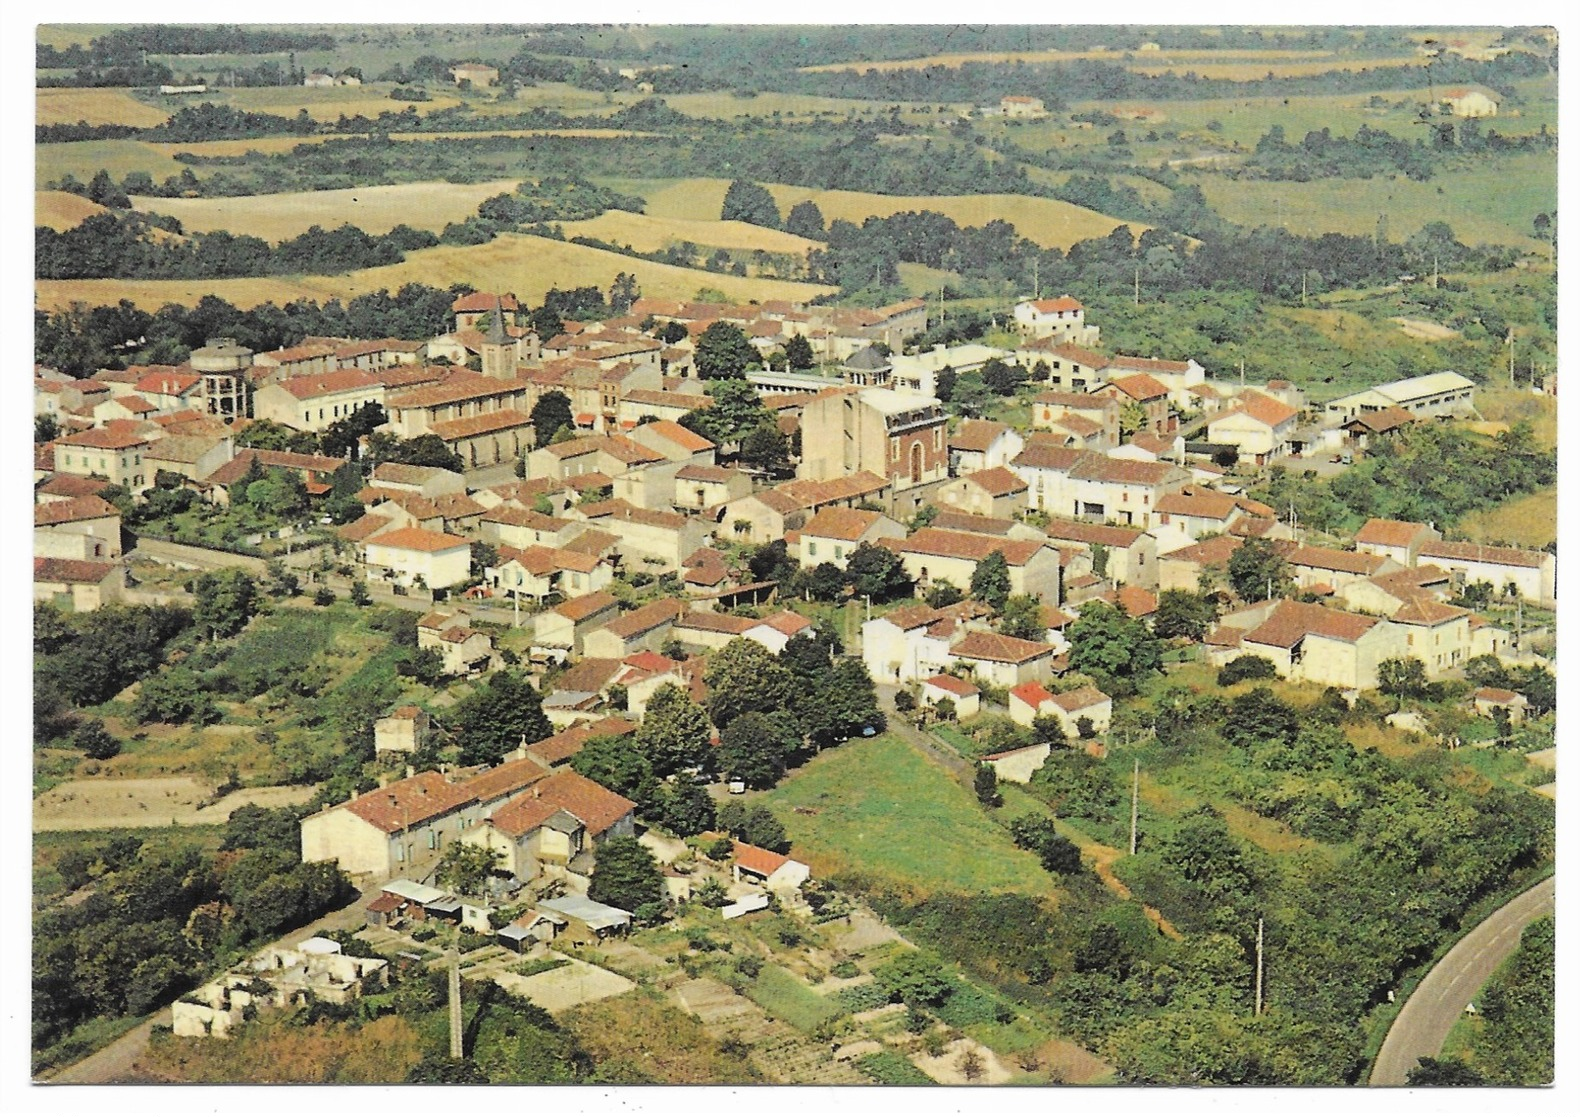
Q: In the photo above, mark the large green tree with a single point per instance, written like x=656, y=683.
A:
x=617, y=763
x=747, y=201
x=1119, y=650
x=878, y=572
x=625, y=876
x=549, y=415
x=723, y=352
x=990, y=580
x=1181, y=613
x=675, y=733
x=225, y=600
x=495, y=718
x=1257, y=571
x=755, y=748
x=465, y=867
x=744, y=677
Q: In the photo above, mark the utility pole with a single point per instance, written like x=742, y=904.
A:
x=1259, y=966
x=1135, y=804
x=1511, y=356
x=456, y=1049
x=1303, y=286
x=1138, y=285
x=1434, y=271
x=1036, y=282
x=1242, y=372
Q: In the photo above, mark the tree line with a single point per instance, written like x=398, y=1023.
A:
x=109, y=245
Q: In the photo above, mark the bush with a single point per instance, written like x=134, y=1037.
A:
x=845, y=969
x=1245, y=667
x=861, y=998
x=324, y=596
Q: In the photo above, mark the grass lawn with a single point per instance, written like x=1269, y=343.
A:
x=881, y=808
x=786, y=997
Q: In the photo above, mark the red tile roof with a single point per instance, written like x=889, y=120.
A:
x=1424, y=611
x=646, y=618
x=1291, y=621
x=1497, y=696
x=1328, y=558
x=977, y=435
x=1480, y=552
x=1203, y=503
x=1082, y=698
x=409, y=802
x=103, y=438
x=420, y=539
x=72, y=571
x=1080, y=532
x=592, y=804
x=998, y=481
x=1264, y=409
x=73, y=510
x=998, y=648
x=505, y=779
x=755, y=859
x=1391, y=533
x=1054, y=306
x=688, y=440
x=966, y=545
x=318, y=384
x=564, y=745
x=1033, y=693
x=481, y=300
x=1140, y=387
x=580, y=608
x=1208, y=552
x=847, y=524
x=958, y=687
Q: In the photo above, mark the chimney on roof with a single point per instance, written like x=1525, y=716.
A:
x=384, y=781
x=410, y=771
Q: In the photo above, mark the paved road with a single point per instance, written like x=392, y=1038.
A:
x=1424, y=1023
x=114, y=1063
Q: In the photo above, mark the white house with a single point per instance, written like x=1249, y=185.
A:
x=407, y=556
x=1258, y=426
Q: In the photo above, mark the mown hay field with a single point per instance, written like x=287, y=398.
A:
x=1048, y=222
x=62, y=35
x=1492, y=204
x=528, y=266
x=95, y=106
x=869, y=802
x=61, y=211
x=649, y=234
x=327, y=103
x=373, y=209
x=1527, y=521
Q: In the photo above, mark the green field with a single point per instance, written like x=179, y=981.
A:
x=872, y=800
x=1492, y=204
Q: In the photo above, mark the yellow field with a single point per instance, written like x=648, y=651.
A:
x=96, y=106
x=1529, y=521
x=61, y=211
x=1048, y=222
x=954, y=61
x=1512, y=405
x=373, y=209
x=327, y=104
x=528, y=266
x=649, y=234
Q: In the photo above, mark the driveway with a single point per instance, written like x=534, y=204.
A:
x=1423, y=1024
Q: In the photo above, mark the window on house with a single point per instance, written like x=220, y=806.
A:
x=811, y=549
x=839, y=552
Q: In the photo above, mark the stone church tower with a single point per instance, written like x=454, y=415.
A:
x=499, y=348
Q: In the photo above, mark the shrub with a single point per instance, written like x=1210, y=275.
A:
x=1246, y=667
x=845, y=969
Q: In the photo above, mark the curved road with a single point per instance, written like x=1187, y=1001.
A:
x=1427, y=1017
